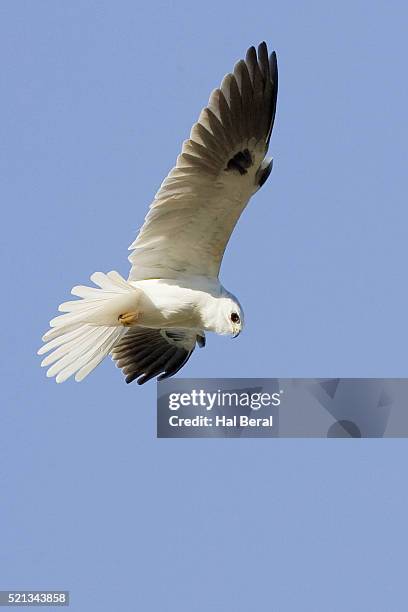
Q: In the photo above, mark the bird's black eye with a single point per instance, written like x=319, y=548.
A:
x=235, y=317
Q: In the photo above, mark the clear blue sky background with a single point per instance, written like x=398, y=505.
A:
x=96, y=100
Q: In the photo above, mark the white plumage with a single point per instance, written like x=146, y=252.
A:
x=152, y=322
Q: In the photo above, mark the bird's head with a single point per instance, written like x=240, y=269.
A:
x=229, y=317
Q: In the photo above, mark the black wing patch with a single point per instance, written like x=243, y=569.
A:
x=241, y=162
x=145, y=353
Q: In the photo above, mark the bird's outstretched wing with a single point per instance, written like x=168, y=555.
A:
x=220, y=167
x=143, y=353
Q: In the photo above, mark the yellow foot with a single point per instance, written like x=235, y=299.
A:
x=128, y=318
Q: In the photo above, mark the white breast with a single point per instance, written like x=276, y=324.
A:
x=167, y=304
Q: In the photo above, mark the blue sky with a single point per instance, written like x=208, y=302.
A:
x=97, y=98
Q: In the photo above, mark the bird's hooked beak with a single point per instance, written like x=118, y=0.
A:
x=236, y=333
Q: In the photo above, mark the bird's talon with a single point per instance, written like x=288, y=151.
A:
x=128, y=318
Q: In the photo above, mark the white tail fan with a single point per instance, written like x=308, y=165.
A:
x=82, y=337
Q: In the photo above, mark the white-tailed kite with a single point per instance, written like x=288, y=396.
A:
x=151, y=323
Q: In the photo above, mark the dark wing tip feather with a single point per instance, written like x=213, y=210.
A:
x=264, y=60
x=273, y=71
x=256, y=80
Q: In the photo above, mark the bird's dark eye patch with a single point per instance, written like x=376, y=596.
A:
x=235, y=317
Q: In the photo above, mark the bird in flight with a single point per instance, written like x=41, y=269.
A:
x=151, y=322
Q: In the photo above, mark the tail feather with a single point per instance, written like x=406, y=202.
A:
x=87, y=293
x=75, y=305
x=112, y=281
x=98, y=355
x=55, y=332
x=60, y=339
x=87, y=361
x=80, y=338
x=66, y=346
x=76, y=354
